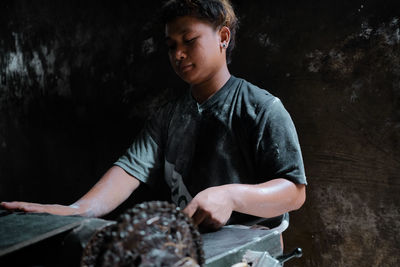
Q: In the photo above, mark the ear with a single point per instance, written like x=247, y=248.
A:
x=225, y=36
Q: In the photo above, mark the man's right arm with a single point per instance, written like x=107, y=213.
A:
x=108, y=193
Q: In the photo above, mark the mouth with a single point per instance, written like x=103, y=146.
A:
x=186, y=67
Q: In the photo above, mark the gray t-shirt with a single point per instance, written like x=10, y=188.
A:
x=242, y=134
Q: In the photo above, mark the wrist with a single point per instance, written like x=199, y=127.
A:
x=79, y=208
x=232, y=195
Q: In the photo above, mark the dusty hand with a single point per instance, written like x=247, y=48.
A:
x=40, y=208
x=211, y=208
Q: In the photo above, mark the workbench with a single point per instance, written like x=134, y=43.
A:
x=51, y=240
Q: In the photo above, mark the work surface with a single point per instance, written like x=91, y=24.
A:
x=30, y=239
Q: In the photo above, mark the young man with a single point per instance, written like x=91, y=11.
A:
x=227, y=149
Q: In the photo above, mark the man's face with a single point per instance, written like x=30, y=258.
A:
x=194, y=49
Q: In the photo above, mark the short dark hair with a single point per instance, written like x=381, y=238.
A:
x=217, y=12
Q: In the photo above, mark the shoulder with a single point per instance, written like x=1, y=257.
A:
x=168, y=108
x=256, y=100
x=159, y=120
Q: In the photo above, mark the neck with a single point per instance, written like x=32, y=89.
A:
x=203, y=91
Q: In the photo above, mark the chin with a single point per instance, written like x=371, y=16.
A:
x=189, y=78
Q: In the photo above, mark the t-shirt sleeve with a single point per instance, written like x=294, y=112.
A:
x=278, y=153
x=143, y=159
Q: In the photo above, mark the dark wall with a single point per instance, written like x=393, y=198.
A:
x=78, y=79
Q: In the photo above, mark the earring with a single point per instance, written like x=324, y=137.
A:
x=224, y=45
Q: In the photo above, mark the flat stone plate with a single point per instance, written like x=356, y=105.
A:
x=222, y=248
x=18, y=230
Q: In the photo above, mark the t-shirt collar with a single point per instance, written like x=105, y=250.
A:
x=215, y=97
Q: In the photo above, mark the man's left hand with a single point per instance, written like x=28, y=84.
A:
x=211, y=207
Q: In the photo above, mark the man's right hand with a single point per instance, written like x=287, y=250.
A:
x=40, y=208
x=113, y=188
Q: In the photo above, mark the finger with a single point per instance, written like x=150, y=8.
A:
x=13, y=205
x=25, y=206
x=209, y=223
x=199, y=216
x=190, y=208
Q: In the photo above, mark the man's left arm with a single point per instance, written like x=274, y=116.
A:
x=278, y=162
x=213, y=207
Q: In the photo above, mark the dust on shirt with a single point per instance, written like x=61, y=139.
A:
x=242, y=134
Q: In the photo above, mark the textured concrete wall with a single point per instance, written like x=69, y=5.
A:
x=77, y=80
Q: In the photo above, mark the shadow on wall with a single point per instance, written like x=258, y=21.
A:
x=77, y=81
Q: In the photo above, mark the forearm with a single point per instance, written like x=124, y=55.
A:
x=110, y=191
x=268, y=199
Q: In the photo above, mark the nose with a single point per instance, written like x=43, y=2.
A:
x=180, y=54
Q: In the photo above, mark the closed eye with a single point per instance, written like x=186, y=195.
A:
x=172, y=45
x=190, y=40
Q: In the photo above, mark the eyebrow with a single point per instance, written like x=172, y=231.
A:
x=184, y=31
